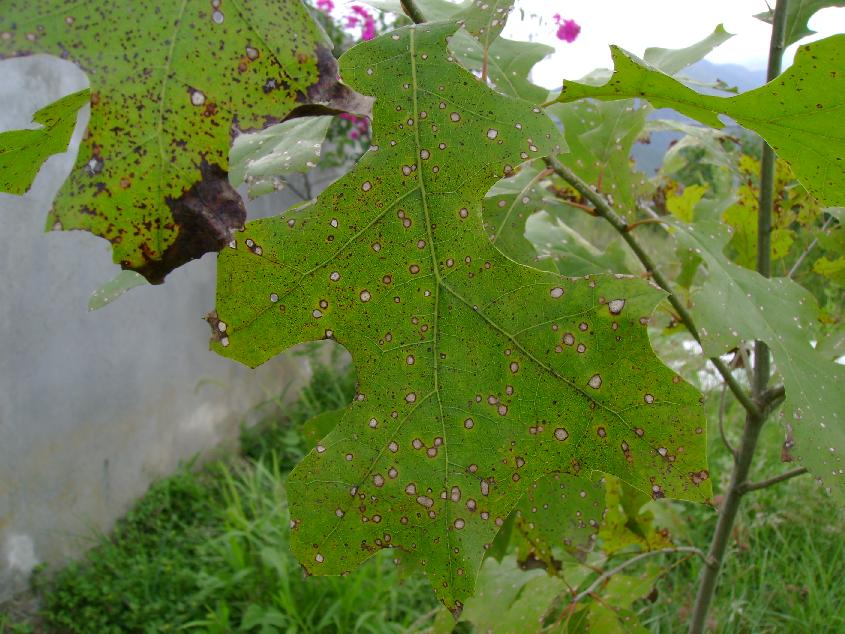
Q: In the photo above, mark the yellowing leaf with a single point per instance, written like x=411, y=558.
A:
x=171, y=84
x=477, y=375
x=683, y=206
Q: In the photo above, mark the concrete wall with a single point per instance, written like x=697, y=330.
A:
x=93, y=406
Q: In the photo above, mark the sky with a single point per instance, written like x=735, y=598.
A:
x=637, y=24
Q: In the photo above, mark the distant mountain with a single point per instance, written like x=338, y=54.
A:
x=650, y=156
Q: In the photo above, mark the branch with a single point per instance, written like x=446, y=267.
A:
x=747, y=487
x=722, y=425
x=810, y=247
x=603, y=209
x=412, y=11
x=629, y=562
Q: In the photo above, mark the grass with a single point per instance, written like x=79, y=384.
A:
x=207, y=550
x=784, y=569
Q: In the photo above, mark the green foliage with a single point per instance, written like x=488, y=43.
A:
x=264, y=159
x=114, y=288
x=23, y=151
x=508, y=63
x=151, y=173
x=560, y=511
x=673, y=60
x=779, y=312
x=600, y=138
x=798, y=14
x=805, y=129
x=208, y=551
x=287, y=432
x=466, y=396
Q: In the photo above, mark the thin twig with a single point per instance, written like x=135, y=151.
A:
x=603, y=209
x=644, y=221
x=747, y=487
x=809, y=248
x=629, y=562
x=722, y=422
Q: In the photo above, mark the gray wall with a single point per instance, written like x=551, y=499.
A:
x=95, y=405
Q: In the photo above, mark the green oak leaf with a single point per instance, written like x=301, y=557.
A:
x=171, y=84
x=477, y=376
x=263, y=159
x=22, y=152
x=511, y=600
x=673, y=60
x=569, y=252
x=600, y=138
x=798, y=14
x=506, y=209
x=485, y=19
x=801, y=114
x=626, y=524
x=509, y=63
x=834, y=269
x=560, y=511
x=779, y=312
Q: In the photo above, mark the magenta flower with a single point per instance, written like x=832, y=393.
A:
x=326, y=6
x=368, y=26
x=567, y=30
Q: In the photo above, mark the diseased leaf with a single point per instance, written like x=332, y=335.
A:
x=485, y=19
x=779, y=312
x=600, y=138
x=263, y=159
x=625, y=524
x=798, y=14
x=560, y=511
x=509, y=63
x=319, y=427
x=171, y=84
x=23, y=152
x=507, y=207
x=673, y=60
x=682, y=206
x=114, y=288
x=801, y=114
x=477, y=376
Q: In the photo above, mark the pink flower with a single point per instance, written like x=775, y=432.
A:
x=368, y=28
x=567, y=30
x=326, y=6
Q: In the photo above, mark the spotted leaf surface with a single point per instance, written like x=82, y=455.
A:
x=560, y=511
x=22, y=152
x=601, y=137
x=779, y=312
x=264, y=159
x=801, y=114
x=171, y=84
x=477, y=376
x=507, y=207
x=509, y=63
